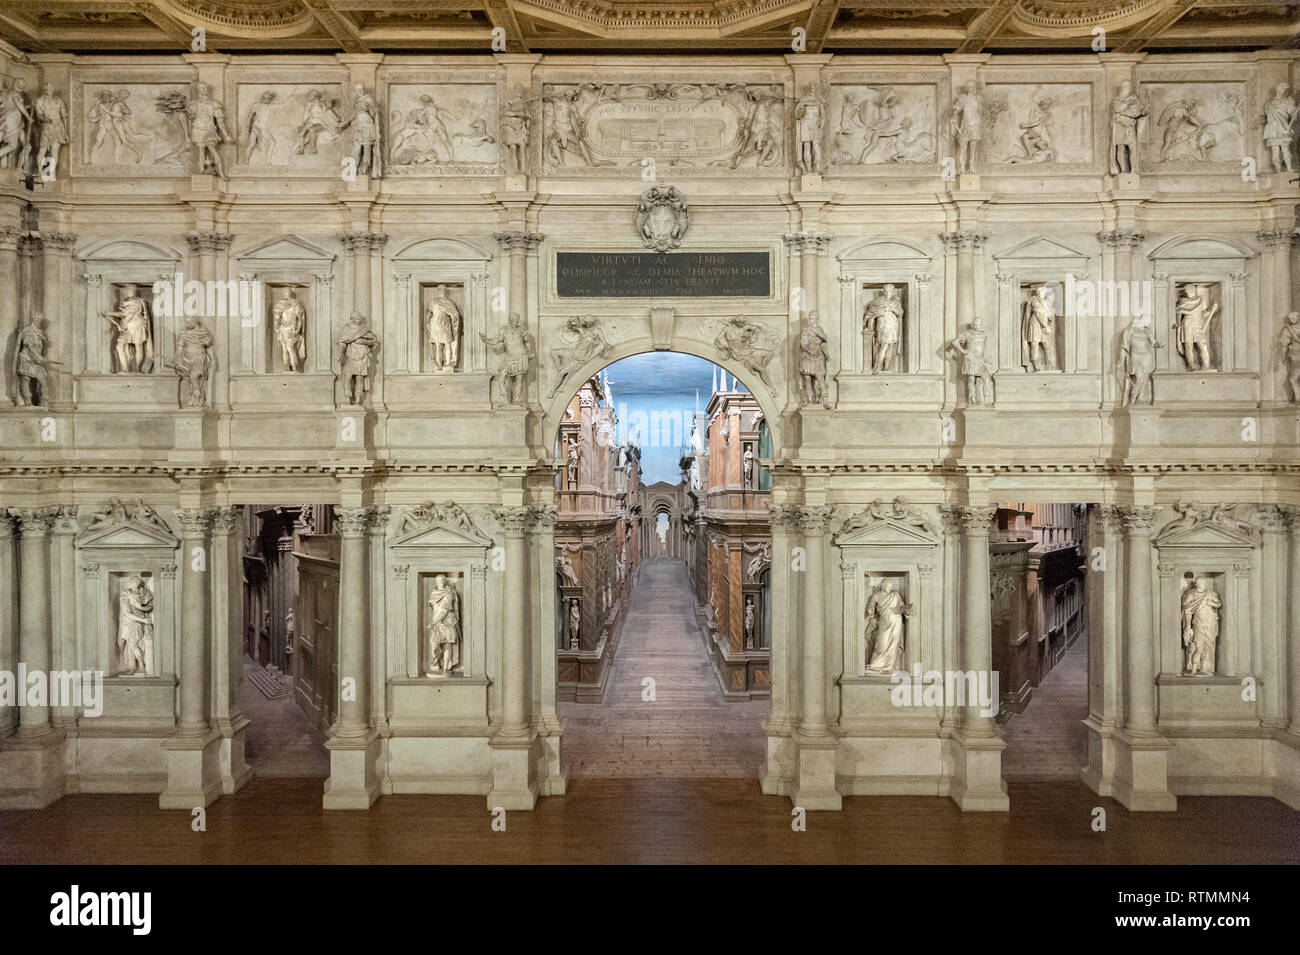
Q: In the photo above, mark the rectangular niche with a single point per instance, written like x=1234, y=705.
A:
x=437, y=321
x=442, y=607
x=870, y=642
x=1042, y=349
x=895, y=362
x=119, y=292
x=133, y=623
x=1197, y=324
x=275, y=310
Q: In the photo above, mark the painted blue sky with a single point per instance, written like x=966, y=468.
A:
x=654, y=396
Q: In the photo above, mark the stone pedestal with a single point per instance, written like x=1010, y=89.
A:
x=354, y=778
x=968, y=182
x=514, y=785
x=1141, y=781
x=516, y=184
x=810, y=182
x=1126, y=182
x=193, y=771
x=31, y=771
x=977, y=784
x=815, y=774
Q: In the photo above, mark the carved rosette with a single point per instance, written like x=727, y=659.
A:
x=1138, y=519
x=351, y=521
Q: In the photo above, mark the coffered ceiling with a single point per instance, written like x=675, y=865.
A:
x=662, y=26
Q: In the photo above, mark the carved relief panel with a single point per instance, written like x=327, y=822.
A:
x=1193, y=124
x=884, y=124
x=130, y=128
x=1047, y=123
x=443, y=129
x=290, y=127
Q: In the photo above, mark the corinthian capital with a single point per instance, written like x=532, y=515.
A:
x=813, y=519
x=1138, y=518
x=518, y=241
x=513, y=520
x=351, y=521
x=34, y=521
x=969, y=518
x=194, y=521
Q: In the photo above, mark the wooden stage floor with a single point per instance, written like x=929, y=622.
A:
x=277, y=821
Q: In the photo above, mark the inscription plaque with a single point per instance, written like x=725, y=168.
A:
x=666, y=275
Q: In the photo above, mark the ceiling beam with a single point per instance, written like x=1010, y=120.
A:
x=172, y=28
x=343, y=31
x=820, y=20
x=502, y=15
x=1157, y=25
x=22, y=35
x=986, y=25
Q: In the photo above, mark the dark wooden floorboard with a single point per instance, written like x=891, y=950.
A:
x=649, y=820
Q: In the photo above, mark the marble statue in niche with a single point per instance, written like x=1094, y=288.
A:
x=747, y=342
x=972, y=345
x=1038, y=330
x=194, y=362
x=884, y=635
x=967, y=126
x=444, y=324
x=1128, y=113
x=750, y=622
x=358, y=348
x=365, y=133
x=111, y=117
x=1289, y=344
x=575, y=624
x=15, y=125
x=1200, y=611
x=809, y=114
x=443, y=628
x=31, y=366
x=564, y=567
x=1279, y=127
x=132, y=333
x=882, y=331
x=516, y=127
x=290, y=321
x=747, y=466
x=135, y=623
x=1138, y=360
x=259, y=128
x=813, y=359
x=290, y=624
x=52, y=120
x=1204, y=127
x=582, y=339
x=574, y=461
x=1196, y=312
x=207, y=130
x=516, y=346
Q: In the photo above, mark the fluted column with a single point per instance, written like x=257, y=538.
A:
x=812, y=696
x=976, y=610
x=353, y=644
x=194, y=526
x=1291, y=513
x=34, y=634
x=514, y=651
x=1139, y=637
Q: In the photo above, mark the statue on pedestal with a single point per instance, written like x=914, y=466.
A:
x=1200, y=606
x=194, y=362
x=516, y=344
x=207, y=129
x=30, y=364
x=290, y=324
x=135, y=628
x=1127, y=112
x=882, y=331
x=132, y=333
x=365, y=133
x=750, y=623
x=1195, y=317
x=575, y=624
x=15, y=125
x=971, y=345
x=564, y=567
x=1038, y=330
x=813, y=359
x=357, y=351
x=885, y=613
x=443, y=318
x=1289, y=341
x=52, y=117
x=1279, y=127
x=967, y=126
x=516, y=126
x=809, y=111
x=1138, y=355
x=443, y=628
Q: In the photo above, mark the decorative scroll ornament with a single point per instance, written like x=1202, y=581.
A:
x=662, y=218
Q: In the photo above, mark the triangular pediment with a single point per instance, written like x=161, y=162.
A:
x=127, y=534
x=1208, y=534
x=1041, y=247
x=287, y=249
x=887, y=532
x=441, y=535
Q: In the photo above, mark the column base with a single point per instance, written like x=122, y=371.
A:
x=1099, y=774
x=354, y=778
x=1286, y=762
x=814, y=785
x=777, y=775
x=552, y=774
x=31, y=770
x=235, y=772
x=1141, y=782
x=193, y=771
x=514, y=784
x=977, y=784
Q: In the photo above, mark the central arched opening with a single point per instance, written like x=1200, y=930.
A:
x=662, y=544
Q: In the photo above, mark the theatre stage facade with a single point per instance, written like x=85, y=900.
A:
x=742, y=209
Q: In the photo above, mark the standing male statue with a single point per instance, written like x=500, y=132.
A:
x=1127, y=111
x=444, y=322
x=1200, y=607
x=882, y=331
x=517, y=347
x=1279, y=127
x=290, y=320
x=967, y=126
x=1038, y=330
x=971, y=345
x=30, y=364
x=808, y=114
x=1138, y=352
x=443, y=628
x=194, y=362
x=52, y=115
x=1289, y=342
x=365, y=133
x=1195, y=316
x=135, y=628
x=813, y=359
x=207, y=129
x=132, y=333
x=357, y=350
